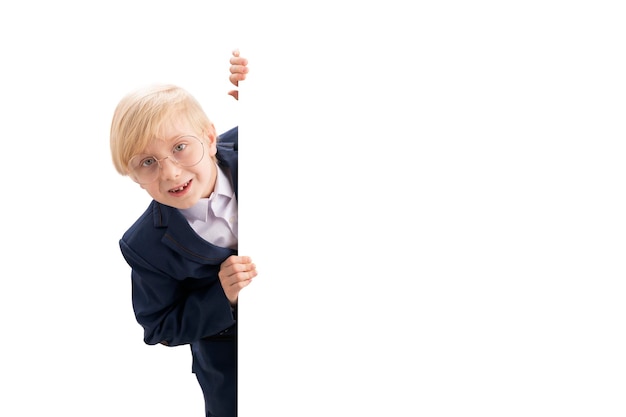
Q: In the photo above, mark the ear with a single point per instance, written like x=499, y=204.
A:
x=210, y=136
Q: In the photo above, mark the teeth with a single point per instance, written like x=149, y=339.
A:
x=182, y=187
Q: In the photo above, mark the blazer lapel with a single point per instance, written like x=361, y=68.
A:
x=181, y=238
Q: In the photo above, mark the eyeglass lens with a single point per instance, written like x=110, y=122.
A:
x=187, y=151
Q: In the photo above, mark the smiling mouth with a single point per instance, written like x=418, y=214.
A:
x=181, y=188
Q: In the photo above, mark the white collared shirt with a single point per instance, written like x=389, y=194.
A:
x=215, y=218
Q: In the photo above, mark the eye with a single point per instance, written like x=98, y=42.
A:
x=179, y=147
x=147, y=162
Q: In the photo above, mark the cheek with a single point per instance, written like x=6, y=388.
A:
x=207, y=166
x=151, y=189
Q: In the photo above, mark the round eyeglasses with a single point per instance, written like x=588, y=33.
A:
x=187, y=151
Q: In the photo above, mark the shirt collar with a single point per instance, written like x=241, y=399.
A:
x=223, y=189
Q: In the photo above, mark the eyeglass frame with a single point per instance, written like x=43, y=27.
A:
x=158, y=161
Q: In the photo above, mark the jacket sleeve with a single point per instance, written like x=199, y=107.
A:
x=169, y=312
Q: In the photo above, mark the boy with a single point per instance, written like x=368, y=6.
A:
x=186, y=273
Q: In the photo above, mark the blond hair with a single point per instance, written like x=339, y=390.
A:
x=140, y=115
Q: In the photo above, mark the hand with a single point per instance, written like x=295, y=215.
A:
x=238, y=71
x=236, y=272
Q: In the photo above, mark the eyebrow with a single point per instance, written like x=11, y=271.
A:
x=166, y=142
x=173, y=138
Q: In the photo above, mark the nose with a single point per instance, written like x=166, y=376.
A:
x=168, y=169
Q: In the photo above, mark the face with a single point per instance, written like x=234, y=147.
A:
x=176, y=186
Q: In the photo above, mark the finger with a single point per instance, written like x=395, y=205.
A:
x=245, y=277
x=236, y=265
x=232, y=292
x=234, y=93
x=236, y=52
x=235, y=78
x=238, y=279
x=236, y=259
x=238, y=68
x=240, y=268
x=238, y=61
x=238, y=272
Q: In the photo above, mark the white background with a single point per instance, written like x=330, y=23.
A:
x=434, y=197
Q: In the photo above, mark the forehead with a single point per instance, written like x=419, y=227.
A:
x=168, y=134
x=173, y=128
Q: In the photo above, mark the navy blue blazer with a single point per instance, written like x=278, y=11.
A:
x=176, y=294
